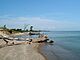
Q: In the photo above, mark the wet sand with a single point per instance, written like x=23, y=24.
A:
x=47, y=53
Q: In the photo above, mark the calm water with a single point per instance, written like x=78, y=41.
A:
x=66, y=45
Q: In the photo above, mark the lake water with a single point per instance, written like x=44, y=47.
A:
x=66, y=45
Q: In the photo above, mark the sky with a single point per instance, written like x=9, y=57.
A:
x=55, y=15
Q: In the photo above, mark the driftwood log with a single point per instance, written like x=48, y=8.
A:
x=40, y=39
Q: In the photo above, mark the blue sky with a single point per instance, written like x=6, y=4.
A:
x=42, y=14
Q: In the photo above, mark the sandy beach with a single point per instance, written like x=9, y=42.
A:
x=21, y=52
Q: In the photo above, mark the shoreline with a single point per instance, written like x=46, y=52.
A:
x=40, y=51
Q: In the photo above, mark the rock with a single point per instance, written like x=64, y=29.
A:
x=50, y=41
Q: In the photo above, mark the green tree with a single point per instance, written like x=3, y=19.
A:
x=31, y=28
x=4, y=27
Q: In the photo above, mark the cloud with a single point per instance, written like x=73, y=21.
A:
x=39, y=23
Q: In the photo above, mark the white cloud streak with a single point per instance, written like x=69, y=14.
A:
x=39, y=23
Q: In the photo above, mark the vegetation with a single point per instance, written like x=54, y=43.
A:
x=11, y=31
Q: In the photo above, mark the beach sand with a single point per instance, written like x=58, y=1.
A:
x=21, y=52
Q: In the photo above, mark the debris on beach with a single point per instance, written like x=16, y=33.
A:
x=14, y=41
x=10, y=39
